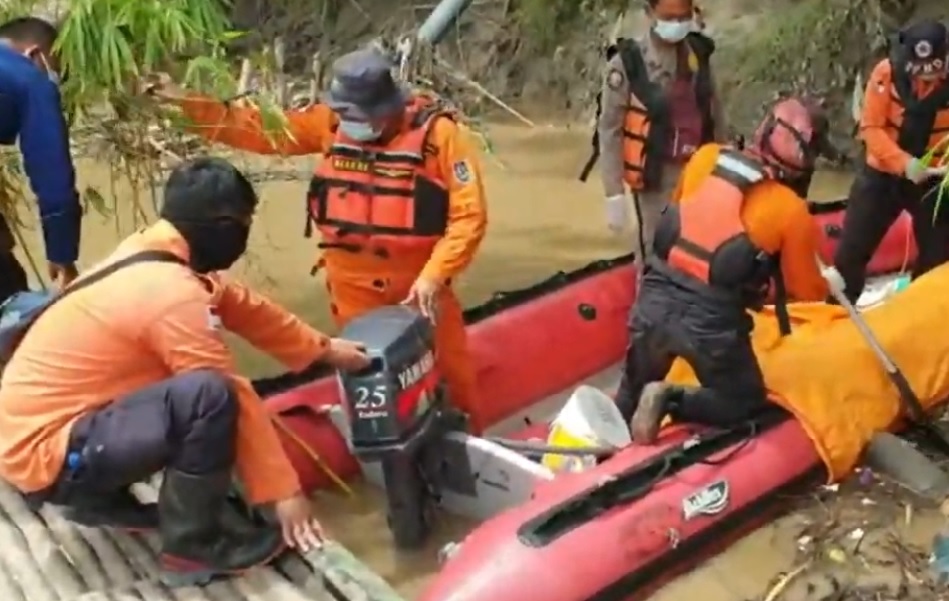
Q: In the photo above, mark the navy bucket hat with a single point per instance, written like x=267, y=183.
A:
x=363, y=88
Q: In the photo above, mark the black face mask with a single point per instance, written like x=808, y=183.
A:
x=214, y=245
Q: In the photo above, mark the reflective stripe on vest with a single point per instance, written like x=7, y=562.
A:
x=382, y=198
x=712, y=216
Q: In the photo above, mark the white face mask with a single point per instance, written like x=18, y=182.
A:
x=673, y=31
x=50, y=72
x=359, y=131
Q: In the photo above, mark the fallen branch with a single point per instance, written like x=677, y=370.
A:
x=464, y=79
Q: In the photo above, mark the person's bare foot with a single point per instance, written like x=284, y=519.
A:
x=649, y=413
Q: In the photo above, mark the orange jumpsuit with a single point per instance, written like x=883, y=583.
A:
x=145, y=324
x=359, y=277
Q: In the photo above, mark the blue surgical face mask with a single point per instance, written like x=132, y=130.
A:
x=673, y=31
x=359, y=131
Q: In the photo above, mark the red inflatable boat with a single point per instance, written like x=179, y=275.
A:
x=615, y=532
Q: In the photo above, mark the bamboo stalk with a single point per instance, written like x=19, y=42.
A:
x=316, y=83
x=247, y=73
x=280, y=77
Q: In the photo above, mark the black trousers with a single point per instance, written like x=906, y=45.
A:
x=187, y=422
x=875, y=201
x=12, y=276
x=668, y=321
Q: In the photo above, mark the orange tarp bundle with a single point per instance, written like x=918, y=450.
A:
x=829, y=378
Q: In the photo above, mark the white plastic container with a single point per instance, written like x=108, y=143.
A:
x=590, y=418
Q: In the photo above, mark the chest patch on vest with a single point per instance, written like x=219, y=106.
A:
x=393, y=172
x=615, y=79
x=462, y=172
x=351, y=165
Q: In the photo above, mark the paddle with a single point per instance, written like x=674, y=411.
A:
x=910, y=402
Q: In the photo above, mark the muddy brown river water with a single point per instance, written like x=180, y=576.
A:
x=541, y=220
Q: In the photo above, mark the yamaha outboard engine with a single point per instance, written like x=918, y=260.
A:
x=397, y=412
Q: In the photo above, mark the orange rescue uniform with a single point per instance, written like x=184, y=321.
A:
x=416, y=210
x=136, y=328
x=895, y=120
x=775, y=219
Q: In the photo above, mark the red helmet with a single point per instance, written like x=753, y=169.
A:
x=789, y=139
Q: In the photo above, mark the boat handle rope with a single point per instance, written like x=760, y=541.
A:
x=310, y=452
x=753, y=432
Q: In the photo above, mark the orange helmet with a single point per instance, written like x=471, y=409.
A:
x=790, y=138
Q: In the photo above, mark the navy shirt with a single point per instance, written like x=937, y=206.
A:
x=31, y=112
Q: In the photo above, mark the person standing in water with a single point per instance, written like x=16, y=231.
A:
x=905, y=116
x=658, y=106
x=398, y=200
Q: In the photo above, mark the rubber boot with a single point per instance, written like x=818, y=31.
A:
x=197, y=545
x=654, y=405
x=120, y=510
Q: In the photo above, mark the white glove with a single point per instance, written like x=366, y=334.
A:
x=617, y=213
x=917, y=172
x=834, y=280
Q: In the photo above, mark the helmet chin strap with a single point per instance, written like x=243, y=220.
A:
x=769, y=157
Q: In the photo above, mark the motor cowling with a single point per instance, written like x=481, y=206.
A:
x=392, y=403
x=397, y=414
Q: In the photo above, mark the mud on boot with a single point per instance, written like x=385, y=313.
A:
x=121, y=510
x=653, y=407
x=197, y=545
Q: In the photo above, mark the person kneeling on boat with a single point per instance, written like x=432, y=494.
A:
x=126, y=373
x=735, y=224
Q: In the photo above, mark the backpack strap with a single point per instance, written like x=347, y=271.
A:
x=18, y=331
x=145, y=256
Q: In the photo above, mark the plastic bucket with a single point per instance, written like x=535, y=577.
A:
x=590, y=418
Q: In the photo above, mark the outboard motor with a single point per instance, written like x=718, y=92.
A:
x=397, y=411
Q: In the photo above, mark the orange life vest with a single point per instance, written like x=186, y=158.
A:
x=710, y=221
x=647, y=127
x=384, y=199
x=918, y=125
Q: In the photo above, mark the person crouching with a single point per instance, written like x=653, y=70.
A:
x=127, y=374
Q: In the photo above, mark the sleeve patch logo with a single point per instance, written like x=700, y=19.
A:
x=462, y=172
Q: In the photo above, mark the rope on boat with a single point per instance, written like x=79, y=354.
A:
x=312, y=454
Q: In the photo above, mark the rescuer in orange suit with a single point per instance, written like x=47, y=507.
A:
x=735, y=225
x=398, y=199
x=905, y=115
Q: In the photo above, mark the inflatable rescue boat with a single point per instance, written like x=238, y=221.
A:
x=613, y=532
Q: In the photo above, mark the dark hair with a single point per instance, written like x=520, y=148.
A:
x=30, y=29
x=207, y=187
